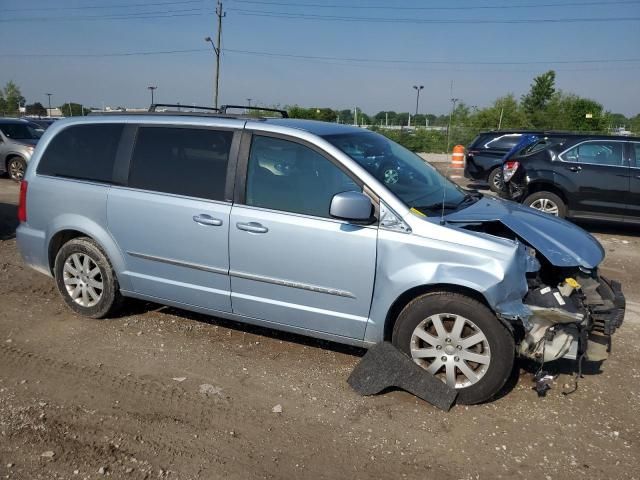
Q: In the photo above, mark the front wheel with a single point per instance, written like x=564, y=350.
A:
x=547, y=202
x=460, y=341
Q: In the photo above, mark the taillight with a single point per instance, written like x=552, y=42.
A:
x=508, y=169
x=22, y=204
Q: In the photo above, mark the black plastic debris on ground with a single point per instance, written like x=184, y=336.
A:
x=385, y=366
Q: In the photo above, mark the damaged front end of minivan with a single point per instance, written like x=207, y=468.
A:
x=569, y=311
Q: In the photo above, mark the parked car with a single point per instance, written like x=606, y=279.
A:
x=587, y=177
x=485, y=154
x=17, y=141
x=290, y=224
x=44, y=123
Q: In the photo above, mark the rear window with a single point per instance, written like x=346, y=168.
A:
x=183, y=161
x=85, y=152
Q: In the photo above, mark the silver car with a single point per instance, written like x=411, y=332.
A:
x=17, y=142
x=298, y=225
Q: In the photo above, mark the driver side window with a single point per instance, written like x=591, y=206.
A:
x=291, y=177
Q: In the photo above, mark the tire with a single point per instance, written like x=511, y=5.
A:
x=70, y=272
x=16, y=167
x=547, y=202
x=496, y=347
x=496, y=184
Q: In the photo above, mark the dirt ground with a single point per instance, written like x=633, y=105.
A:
x=164, y=393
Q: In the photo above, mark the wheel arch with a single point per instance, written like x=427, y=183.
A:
x=547, y=187
x=404, y=298
x=74, y=229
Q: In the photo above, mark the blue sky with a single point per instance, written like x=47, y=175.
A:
x=48, y=31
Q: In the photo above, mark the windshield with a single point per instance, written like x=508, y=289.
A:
x=410, y=178
x=18, y=131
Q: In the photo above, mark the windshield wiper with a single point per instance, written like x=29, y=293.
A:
x=469, y=198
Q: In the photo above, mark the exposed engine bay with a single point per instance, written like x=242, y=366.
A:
x=573, y=310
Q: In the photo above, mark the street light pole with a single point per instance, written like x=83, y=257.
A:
x=49, y=95
x=453, y=107
x=418, y=88
x=151, y=88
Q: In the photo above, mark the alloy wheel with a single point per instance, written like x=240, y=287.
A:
x=452, y=348
x=545, y=205
x=16, y=169
x=83, y=279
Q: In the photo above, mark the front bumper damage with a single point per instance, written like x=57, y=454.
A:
x=574, y=320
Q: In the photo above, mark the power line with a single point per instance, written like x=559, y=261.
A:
x=188, y=12
x=471, y=7
x=333, y=58
x=87, y=7
x=338, y=18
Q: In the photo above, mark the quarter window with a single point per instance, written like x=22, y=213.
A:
x=183, y=161
x=85, y=152
x=288, y=176
x=596, y=153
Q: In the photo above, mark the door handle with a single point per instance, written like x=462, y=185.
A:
x=204, y=219
x=575, y=168
x=253, y=227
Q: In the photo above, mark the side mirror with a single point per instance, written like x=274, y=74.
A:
x=352, y=206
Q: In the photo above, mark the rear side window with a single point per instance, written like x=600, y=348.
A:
x=182, y=161
x=85, y=152
x=503, y=142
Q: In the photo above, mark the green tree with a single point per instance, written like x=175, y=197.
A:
x=71, y=109
x=36, y=109
x=13, y=98
x=535, y=102
x=635, y=124
x=505, y=112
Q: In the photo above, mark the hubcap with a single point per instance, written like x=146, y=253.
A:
x=83, y=279
x=452, y=348
x=545, y=205
x=391, y=176
x=16, y=170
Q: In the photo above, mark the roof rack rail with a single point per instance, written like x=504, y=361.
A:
x=224, y=108
x=153, y=107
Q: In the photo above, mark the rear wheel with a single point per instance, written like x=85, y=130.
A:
x=460, y=341
x=16, y=167
x=495, y=180
x=547, y=202
x=86, y=280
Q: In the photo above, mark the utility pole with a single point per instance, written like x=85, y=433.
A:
x=216, y=48
x=386, y=119
x=151, y=88
x=355, y=116
x=418, y=88
x=49, y=95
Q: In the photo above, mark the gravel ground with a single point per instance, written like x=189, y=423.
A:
x=163, y=393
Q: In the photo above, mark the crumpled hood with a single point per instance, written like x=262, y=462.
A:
x=562, y=243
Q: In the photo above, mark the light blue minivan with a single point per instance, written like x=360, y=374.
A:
x=314, y=228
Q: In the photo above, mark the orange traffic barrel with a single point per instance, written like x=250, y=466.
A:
x=457, y=159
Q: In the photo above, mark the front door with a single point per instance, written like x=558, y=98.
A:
x=599, y=172
x=171, y=220
x=291, y=263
